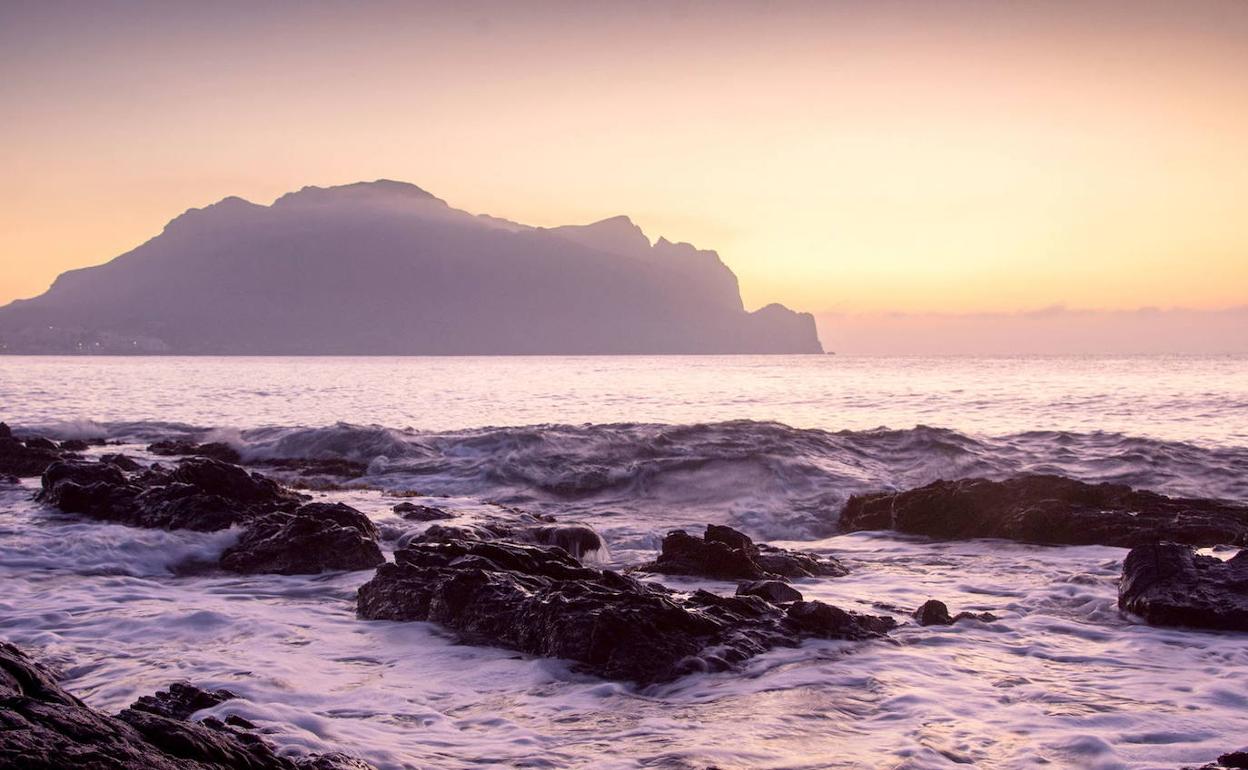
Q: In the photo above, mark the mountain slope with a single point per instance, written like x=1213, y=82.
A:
x=387, y=268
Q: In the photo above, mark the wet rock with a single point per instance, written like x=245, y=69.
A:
x=38, y=442
x=199, y=494
x=1169, y=584
x=936, y=613
x=1048, y=509
x=541, y=600
x=577, y=539
x=774, y=591
x=5, y=430
x=414, y=512
x=723, y=553
x=181, y=700
x=122, y=462
x=315, y=538
x=19, y=459
x=75, y=445
x=1232, y=759
x=42, y=727
x=179, y=448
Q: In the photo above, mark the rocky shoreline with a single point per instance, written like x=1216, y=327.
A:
x=521, y=581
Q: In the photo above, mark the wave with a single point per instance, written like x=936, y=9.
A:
x=772, y=479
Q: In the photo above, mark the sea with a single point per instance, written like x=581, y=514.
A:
x=635, y=447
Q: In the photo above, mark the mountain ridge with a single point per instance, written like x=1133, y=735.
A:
x=387, y=267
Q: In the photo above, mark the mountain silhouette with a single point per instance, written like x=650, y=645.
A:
x=387, y=268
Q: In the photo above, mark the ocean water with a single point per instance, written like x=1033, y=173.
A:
x=635, y=446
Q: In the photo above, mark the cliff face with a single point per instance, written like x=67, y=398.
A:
x=387, y=268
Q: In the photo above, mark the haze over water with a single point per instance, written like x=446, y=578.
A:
x=1175, y=398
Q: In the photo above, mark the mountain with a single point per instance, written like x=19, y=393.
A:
x=387, y=268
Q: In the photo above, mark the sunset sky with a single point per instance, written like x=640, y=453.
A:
x=917, y=157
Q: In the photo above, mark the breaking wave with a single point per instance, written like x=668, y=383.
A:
x=777, y=481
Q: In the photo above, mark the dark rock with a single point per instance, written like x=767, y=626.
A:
x=75, y=445
x=5, y=430
x=542, y=601
x=577, y=539
x=42, y=727
x=774, y=591
x=39, y=442
x=723, y=553
x=122, y=462
x=179, y=448
x=181, y=700
x=1233, y=759
x=332, y=761
x=1048, y=509
x=200, y=494
x=933, y=613
x=18, y=459
x=414, y=512
x=314, y=538
x=1169, y=584
x=4, y=479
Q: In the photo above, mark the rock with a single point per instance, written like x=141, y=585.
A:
x=413, y=512
x=19, y=459
x=1048, y=509
x=315, y=538
x=181, y=700
x=5, y=430
x=38, y=442
x=936, y=613
x=774, y=591
x=542, y=601
x=1169, y=584
x=577, y=539
x=75, y=445
x=177, y=447
x=199, y=494
x=723, y=553
x=1232, y=759
x=122, y=462
x=42, y=727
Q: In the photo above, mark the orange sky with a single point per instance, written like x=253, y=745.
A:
x=949, y=157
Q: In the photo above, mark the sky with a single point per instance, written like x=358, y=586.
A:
x=865, y=161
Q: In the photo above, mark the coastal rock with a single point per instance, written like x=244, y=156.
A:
x=576, y=539
x=42, y=727
x=181, y=700
x=314, y=538
x=414, y=512
x=936, y=613
x=74, y=445
x=542, y=601
x=774, y=591
x=18, y=458
x=200, y=494
x=723, y=553
x=1048, y=509
x=1231, y=759
x=121, y=461
x=5, y=430
x=1169, y=584
x=179, y=448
